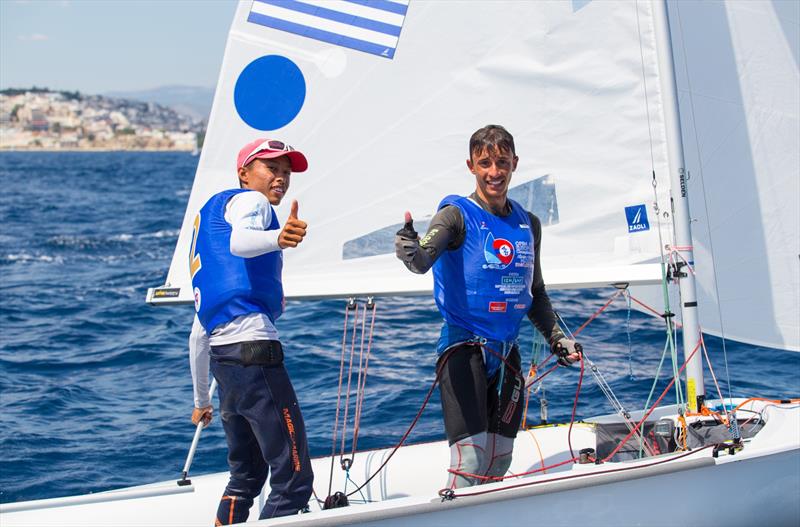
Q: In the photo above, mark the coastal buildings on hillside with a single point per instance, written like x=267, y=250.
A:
x=39, y=119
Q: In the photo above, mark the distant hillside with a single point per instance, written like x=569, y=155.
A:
x=193, y=101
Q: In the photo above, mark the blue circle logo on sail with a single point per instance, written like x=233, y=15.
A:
x=498, y=252
x=269, y=92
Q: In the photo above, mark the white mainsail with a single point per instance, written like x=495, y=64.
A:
x=384, y=135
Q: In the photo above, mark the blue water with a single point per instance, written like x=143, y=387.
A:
x=95, y=389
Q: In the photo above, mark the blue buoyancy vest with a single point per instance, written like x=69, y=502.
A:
x=228, y=286
x=484, y=287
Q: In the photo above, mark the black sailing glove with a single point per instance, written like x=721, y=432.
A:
x=567, y=351
x=406, y=241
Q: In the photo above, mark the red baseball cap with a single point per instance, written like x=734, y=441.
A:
x=268, y=149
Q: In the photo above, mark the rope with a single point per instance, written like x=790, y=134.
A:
x=362, y=384
x=339, y=394
x=349, y=379
x=596, y=313
x=574, y=407
x=655, y=405
x=590, y=474
x=628, y=333
x=410, y=428
x=601, y=381
x=655, y=382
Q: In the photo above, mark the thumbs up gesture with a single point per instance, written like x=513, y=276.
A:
x=406, y=241
x=294, y=230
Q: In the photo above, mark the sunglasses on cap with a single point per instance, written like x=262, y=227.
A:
x=271, y=145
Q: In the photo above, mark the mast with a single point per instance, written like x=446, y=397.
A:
x=695, y=389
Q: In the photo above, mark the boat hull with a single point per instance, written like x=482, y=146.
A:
x=758, y=484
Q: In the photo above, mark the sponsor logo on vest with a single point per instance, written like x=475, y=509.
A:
x=637, y=218
x=519, y=306
x=497, y=307
x=498, y=252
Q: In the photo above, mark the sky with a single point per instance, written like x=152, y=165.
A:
x=97, y=46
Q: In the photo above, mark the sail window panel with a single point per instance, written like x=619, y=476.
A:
x=537, y=196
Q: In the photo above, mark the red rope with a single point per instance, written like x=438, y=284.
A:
x=574, y=407
x=597, y=313
x=593, y=473
x=655, y=405
x=656, y=313
x=502, y=478
x=516, y=372
x=411, y=427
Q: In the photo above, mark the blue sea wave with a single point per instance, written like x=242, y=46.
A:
x=95, y=385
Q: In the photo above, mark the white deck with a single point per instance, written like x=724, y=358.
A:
x=761, y=484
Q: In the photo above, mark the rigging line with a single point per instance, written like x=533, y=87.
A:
x=714, y=378
x=357, y=409
x=627, y=295
x=362, y=387
x=439, y=367
x=494, y=479
x=644, y=85
x=655, y=383
x=574, y=407
x=594, y=315
x=655, y=181
x=655, y=405
x=589, y=474
x=604, y=386
x=347, y=308
x=413, y=423
x=705, y=203
x=349, y=380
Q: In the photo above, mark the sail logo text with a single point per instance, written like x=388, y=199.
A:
x=637, y=218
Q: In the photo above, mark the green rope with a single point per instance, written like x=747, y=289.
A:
x=652, y=390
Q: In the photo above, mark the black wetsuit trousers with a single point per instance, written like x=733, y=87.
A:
x=265, y=432
x=471, y=403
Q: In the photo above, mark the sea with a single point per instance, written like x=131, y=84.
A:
x=95, y=388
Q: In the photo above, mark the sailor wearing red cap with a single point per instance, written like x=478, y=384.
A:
x=235, y=263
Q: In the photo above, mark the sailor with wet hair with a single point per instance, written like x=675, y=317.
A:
x=235, y=263
x=485, y=254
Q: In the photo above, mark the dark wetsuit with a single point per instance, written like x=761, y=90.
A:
x=472, y=403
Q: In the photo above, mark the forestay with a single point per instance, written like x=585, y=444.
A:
x=382, y=97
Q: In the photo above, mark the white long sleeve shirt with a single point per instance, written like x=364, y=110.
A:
x=249, y=214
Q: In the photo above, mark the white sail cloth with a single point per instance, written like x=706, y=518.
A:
x=385, y=135
x=739, y=86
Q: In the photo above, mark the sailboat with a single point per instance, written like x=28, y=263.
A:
x=603, y=99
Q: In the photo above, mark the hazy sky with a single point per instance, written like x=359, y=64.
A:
x=96, y=46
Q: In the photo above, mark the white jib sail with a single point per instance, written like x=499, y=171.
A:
x=739, y=86
x=391, y=92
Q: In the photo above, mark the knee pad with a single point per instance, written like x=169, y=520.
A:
x=498, y=455
x=467, y=460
